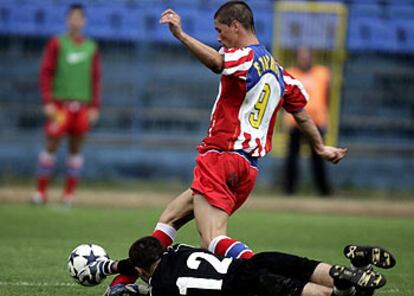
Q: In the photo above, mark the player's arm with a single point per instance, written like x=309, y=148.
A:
x=96, y=87
x=47, y=71
x=99, y=270
x=309, y=128
x=206, y=54
x=295, y=99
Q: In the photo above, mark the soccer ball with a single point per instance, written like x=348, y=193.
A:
x=80, y=257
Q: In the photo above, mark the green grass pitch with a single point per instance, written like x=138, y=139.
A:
x=35, y=241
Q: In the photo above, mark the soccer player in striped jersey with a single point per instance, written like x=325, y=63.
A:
x=70, y=79
x=253, y=87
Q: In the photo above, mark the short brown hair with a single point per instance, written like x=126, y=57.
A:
x=76, y=6
x=236, y=10
x=145, y=251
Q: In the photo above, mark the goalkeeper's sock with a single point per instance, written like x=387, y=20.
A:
x=165, y=234
x=225, y=246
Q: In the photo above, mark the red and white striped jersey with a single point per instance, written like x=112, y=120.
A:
x=253, y=87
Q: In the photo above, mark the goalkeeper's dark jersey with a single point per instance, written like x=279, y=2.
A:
x=184, y=270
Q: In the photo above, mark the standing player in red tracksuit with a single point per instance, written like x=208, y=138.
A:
x=70, y=87
x=253, y=88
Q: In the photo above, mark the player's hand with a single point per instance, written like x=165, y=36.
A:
x=332, y=154
x=93, y=115
x=174, y=22
x=50, y=111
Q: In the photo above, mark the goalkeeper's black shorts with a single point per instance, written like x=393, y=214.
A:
x=271, y=273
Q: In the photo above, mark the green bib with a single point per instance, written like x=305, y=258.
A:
x=72, y=79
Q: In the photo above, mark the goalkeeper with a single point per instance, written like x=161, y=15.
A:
x=184, y=270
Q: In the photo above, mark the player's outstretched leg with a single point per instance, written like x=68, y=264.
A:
x=346, y=277
x=365, y=256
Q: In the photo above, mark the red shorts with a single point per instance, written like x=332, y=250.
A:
x=70, y=118
x=224, y=179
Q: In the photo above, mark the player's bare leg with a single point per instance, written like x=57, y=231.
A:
x=312, y=289
x=211, y=221
x=212, y=226
x=74, y=164
x=179, y=211
x=46, y=163
x=321, y=275
x=52, y=144
x=75, y=143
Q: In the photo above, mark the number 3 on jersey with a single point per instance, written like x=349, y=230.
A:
x=193, y=262
x=256, y=116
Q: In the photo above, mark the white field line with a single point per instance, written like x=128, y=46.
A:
x=396, y=291
x=45, y=284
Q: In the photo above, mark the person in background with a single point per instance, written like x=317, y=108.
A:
x=316, y=81
x=70, y=83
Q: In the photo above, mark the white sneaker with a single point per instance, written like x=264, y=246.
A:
x=67, y=200
x=38, y=198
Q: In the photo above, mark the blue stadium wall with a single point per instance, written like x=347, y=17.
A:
x=156, y=97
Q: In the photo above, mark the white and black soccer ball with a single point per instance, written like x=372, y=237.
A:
x=82, y=256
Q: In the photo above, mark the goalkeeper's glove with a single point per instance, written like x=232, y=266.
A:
x=127, y=290
x=96, y=271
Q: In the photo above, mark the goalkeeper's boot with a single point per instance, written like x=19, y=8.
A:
x=358, y=278
x=127, y=290
x=364, y=257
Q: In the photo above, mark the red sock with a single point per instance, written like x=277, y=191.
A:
x=74, y=166
x=42, y=183
x=164, y=239
x=247, y=254
x=164, y=233
x=228, y=247
x=71, y=183
x=123, y=279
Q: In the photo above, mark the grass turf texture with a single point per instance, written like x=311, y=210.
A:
x=36, y=241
